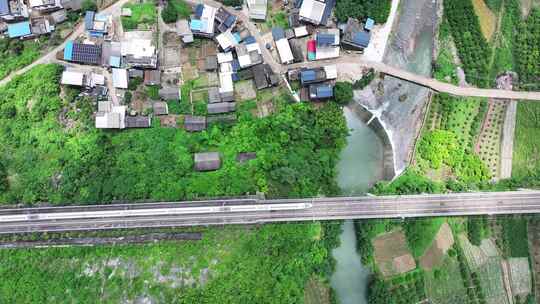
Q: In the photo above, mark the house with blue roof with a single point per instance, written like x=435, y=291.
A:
x=310, y=76
x=370, y=23
x=321, y=91
x=19, y=30
x=97, y=25
x=355, y=36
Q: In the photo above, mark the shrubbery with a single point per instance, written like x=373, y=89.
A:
x=343, y=92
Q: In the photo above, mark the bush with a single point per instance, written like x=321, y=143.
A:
x=343, y=92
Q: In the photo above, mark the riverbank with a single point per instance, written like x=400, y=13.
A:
x=398, y=105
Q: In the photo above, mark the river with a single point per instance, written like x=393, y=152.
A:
x=360, y=166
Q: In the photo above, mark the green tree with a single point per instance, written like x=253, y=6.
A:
x=169, y=14
x=89, y=5
x=233, y=2
x=343, y=92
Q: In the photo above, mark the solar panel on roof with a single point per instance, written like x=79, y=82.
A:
x=86, y=53
x=235, y=65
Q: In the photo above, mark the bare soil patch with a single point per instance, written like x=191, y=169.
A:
x=391, y=253
x=434, y=255
x=488, y=20
x=169, y=121
x=245, y=90
x=316, y=292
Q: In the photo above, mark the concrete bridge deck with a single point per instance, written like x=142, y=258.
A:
x=254, y=211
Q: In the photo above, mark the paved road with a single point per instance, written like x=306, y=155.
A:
x=354, y=62
x=252, y=211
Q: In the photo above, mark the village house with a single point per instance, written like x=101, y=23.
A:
x=138, y=121
x=13, y=10
x=321, y=91
x=120, y=78
x=110, y=117
x=82, y=53
x=207, y=161
x=316, y=12
x=138, y=50
x=202, y=23
x=194, y=123
x=160, y=108
x=169, y=93
x=355, y=37
x=257, y=9
x=221, y=107
x=97, y=25
x=183, y=30
x=152, y=77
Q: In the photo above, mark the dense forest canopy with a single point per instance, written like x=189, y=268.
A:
x=377, y=10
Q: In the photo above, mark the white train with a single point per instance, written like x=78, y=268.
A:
x=151, y=212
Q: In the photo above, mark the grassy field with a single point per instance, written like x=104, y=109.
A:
x=526, y=158
x=143, y=16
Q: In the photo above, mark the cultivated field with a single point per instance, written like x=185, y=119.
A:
x=392, y=254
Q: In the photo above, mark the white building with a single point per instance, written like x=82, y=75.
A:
x=120, y=78
x=73, y=78
x=312, y=11
x=114, y=118
x=257, y=9
x=284, y=51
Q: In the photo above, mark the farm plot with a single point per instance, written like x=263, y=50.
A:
x=488, y=146
x=444, y=285
x=477, y=256
x=392, y=254
x=434, y=255
x=520, y=276
x=408, y=288
x=491, y=281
